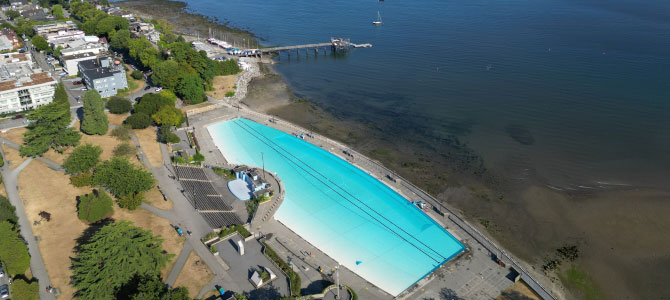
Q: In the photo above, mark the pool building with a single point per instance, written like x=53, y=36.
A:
x=347, y=214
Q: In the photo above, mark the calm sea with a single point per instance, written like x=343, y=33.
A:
x=575, y=92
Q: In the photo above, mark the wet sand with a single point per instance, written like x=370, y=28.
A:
x=621, y=233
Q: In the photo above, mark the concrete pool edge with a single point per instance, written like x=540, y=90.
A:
x=425, y=215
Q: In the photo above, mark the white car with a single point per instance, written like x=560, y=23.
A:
x=159, y=89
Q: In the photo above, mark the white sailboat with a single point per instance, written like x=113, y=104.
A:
x=379, y=19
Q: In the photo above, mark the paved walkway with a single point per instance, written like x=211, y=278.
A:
x=179, y=264
x=37, y=268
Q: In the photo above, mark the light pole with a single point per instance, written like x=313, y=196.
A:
x=337, y=280
x=263, y=161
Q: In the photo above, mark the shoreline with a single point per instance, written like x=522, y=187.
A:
x=528, y=218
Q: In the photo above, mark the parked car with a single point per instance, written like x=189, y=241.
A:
x=15, y=117
x=159, y=89
x=138, y=99
x=2, y=274
x=78, y=82
x=4, y=291
x=147, y=88
x=179, y=231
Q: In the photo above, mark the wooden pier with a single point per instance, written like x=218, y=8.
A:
x=335, y=44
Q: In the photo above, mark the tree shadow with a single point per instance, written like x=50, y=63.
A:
x=316, y=287
x=89, y=232
x=449, y=294
x=513, y=295
x=267, y=292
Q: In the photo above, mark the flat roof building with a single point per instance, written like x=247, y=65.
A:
x=70, y=63
x=104, y=75
x=23, y=87
x=45, y=29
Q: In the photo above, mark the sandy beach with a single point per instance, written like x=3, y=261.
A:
x=618, y=231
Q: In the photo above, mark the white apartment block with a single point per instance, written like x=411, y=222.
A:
x=23, y=87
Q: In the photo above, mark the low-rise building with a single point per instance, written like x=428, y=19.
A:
x=103, y=75
x=45, y=29
x=64, y=36
x=70, y=63
x=37, y=14
x=93, y=48
x=22, y=86
x=9, y=40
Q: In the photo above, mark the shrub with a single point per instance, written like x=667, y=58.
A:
x=122, y=178
x=167, y=136
x=212, y=249
x=124, y=149
x=82, y=159
x=94, y=206
x=131, y=201
x=81, y=179
x=121, y=133
x=178, y=160
x=230, y=93
x=23, y=290
x=138, y=121
x=151, y=103
x=293, y=277
x=137, y=75
x=2, y=161
x=119, y=105
x=198, y=157
x=13, y=251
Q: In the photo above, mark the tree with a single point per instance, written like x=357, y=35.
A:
x=13, y=251
x=82, y=159
x=119, y=105
x=166, y=74
x=57, y=11
x=94, y=206
x=7, y=211
x=111, y=24
x=95, y=120
x=131, y=201
x=168, y=115
x=227, y=67
x=138, y=121
x=124, y=150
x=49, y=127
x=121, y=178
x=191, y=89
x=57, y=51
x=198, y=157
x=12, y=14
x=152, y=287
x=167, y=136
x=40, y=43
x=151, y=103
x=136, y=74
x=112, y=257
x=23, y=290
x=119, y=40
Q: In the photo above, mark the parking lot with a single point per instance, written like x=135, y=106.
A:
x=4, y=284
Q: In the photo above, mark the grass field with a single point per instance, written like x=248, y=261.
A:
x=57, y=237
x=149, y=143
x=116, y=119
x=154, y=198
x=15, y=135
x=194, y=276
x=222, y=85
x=12, y=157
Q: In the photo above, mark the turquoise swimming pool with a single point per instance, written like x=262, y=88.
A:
x=346, y=213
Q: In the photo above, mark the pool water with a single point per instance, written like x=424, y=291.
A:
x=346, y=213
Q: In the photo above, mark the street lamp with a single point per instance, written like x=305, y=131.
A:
x=337, y=280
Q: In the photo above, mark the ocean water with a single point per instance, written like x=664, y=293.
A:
x=343, y=211
x=574, y=93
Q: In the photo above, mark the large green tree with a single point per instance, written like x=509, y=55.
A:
x=57, y=11
x=166, y=74
x=152, y=287
x=112, y=257
x=119, y=40
x=110, y=24
x=95, y=120
x=82, y=159
x=151, y=103
x=94, y=206
x=121, y=177
x=12, y=14
x=13, y=251
x=40, y=43
x=168, y=115
x=191, y=89
x=49, y=127
x=119, y=105
x=7, y=210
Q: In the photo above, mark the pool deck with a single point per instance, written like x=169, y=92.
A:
x=472, y=275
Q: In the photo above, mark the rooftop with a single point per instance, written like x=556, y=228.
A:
x=99, y=68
